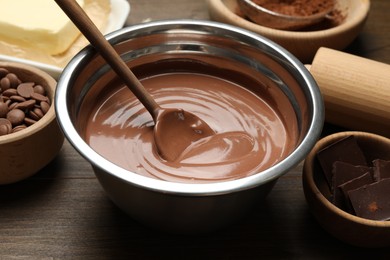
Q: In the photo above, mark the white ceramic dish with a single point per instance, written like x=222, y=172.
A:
x=120, y=10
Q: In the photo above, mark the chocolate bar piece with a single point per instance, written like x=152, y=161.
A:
x=343, y=200
x=341, y=173
x=346, y=150
x=381, y=169
x=372, y=201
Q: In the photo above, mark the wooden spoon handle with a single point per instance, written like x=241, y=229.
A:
x=356, y=90
x=74, y=11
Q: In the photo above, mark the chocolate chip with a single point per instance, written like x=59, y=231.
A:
x=38, y=112
x=12, y=105
x=33, y=115
x=10, y=92
x=5, y=83
x=38, y=97
x=29, y=121
x=40, y=90
x=6, y=125
x=28, y=104
x=3, y=130
x=14, y=80
x=3, y=109
x=17, y=98
x=3, y=72
x=18, y=128
x=45, y=106
x=16, y=116
x=25, y=89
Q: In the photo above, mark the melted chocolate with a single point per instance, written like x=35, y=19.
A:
x=251, y=135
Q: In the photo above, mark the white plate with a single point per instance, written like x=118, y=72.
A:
x=120, y=10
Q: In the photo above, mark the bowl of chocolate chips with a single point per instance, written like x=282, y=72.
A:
x=346, y=181
x=29, y=134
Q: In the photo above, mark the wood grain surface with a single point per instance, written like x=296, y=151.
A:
x=63, y=213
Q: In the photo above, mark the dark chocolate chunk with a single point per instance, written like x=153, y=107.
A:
x=381, y=169
x=372, y=201
x=343, y=172
x=343, y=198
x=345, y=150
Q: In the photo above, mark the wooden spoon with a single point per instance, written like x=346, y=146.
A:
x=174, y=129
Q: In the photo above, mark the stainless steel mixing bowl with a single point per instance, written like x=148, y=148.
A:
x=181, y=207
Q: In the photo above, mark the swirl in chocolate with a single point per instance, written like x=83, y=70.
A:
x=250, y=134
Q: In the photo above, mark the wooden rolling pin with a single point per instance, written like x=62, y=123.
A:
x=356, y=90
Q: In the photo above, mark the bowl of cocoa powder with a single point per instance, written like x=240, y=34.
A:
x=339, y=28
x=346, y=181
x=29, y=134
x=289, y=15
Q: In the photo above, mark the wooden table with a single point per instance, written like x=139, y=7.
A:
x=62, y=212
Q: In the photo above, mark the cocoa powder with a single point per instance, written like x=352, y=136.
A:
x=333, y=19
x=296, y=7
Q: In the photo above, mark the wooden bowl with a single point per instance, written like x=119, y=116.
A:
x=302, y=44
x=25, y=152
x=346, y=227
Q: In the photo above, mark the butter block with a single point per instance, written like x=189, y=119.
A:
x=37, y=23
